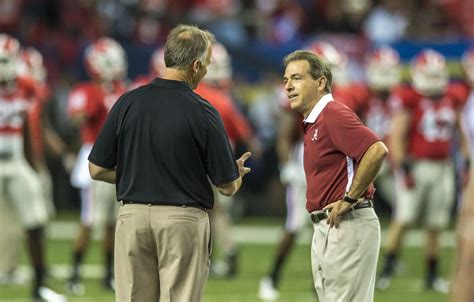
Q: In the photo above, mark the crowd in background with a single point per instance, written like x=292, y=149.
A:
x=254, y=35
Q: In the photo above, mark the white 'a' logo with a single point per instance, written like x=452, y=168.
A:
x=315, y=136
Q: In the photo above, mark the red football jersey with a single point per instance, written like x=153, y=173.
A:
x=140, y=81
x=355, y=96
x=93, y=101
x=236, y=126
x=432, y=122
x=377, y=115
x=15, y=102
x=34, y=121
x=459, y=91
x=335, y=141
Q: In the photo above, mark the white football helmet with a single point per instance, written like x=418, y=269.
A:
x=467, y=62
x=106, y=60
x=9, y=56
x=157, y=64
x=336, y=60
x=219, y=71
x=429, y=72
x=32, y=64
x=382, y=68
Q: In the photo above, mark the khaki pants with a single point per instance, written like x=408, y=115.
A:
x=344, y=260
x=161, y=253
x=462, y=289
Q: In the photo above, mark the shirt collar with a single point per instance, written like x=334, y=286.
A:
x=320, y=105
x=170, y=83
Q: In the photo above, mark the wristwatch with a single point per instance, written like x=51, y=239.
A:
x=348, y=199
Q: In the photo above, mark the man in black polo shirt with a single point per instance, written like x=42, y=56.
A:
x=162, y=144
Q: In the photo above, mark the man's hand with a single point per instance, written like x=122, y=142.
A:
x=240, y=163
x=337, y=209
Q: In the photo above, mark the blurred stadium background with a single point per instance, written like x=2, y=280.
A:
x=257, y=34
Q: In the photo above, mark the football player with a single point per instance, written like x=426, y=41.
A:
x=383, y=74
x=214, y=88
x=20, y=185
x=88, y=106
x=425, y=121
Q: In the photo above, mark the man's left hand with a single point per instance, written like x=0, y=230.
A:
x=337, y=209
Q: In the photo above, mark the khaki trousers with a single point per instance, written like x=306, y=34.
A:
x=161, y=253
x=462, y=289
x=344, y=260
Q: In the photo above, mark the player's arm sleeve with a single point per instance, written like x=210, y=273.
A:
x=220, y=161
x=348, y=134
x=104, y=151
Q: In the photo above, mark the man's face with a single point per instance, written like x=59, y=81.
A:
x=302, y=90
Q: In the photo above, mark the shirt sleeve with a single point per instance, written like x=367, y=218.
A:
x=220, y=161
x=104, y=151
x=347, y=132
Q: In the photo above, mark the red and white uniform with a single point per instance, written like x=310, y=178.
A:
x=292, y=171
x=23, y=186
x=377, y=117
x=433, y=123
x=16, y=101
x=236, y=126
x=432, y=128
x=354, y=96
x=91, y=103
x=34, y=123
x=140, y=81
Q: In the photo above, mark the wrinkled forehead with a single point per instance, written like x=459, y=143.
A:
x=299, y=67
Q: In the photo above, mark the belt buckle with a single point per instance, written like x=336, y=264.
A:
x=315, y=216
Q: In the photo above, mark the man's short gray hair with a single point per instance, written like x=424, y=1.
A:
x=317, y=67
x=185, y=44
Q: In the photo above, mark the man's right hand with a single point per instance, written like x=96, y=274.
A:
x=241, y=162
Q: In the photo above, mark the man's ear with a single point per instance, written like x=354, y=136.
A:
x=322, y=82
x=196, y=65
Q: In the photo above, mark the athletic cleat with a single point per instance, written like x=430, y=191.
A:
x=109, y=283
x=383, y=282
x=267, y=291
x=218, y=269
x=15, y=277
x=45, y=294
x=232, y=262
x=76, y=288
x=439, y=285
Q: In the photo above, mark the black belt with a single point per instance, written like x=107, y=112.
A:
x=324, y=214
x=192, y=205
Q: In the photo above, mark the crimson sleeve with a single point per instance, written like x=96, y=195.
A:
x=347, y=132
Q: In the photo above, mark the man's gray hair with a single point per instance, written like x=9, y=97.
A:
x=185, y=44
x=317, y=67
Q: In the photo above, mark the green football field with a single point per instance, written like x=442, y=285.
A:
x=255, y=257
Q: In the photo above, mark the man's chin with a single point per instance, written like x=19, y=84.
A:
x=294, y=106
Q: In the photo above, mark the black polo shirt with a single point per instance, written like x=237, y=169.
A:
x=166, y=142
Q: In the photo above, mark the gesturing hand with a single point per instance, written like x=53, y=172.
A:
x=337, y=209
x=240, y=163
